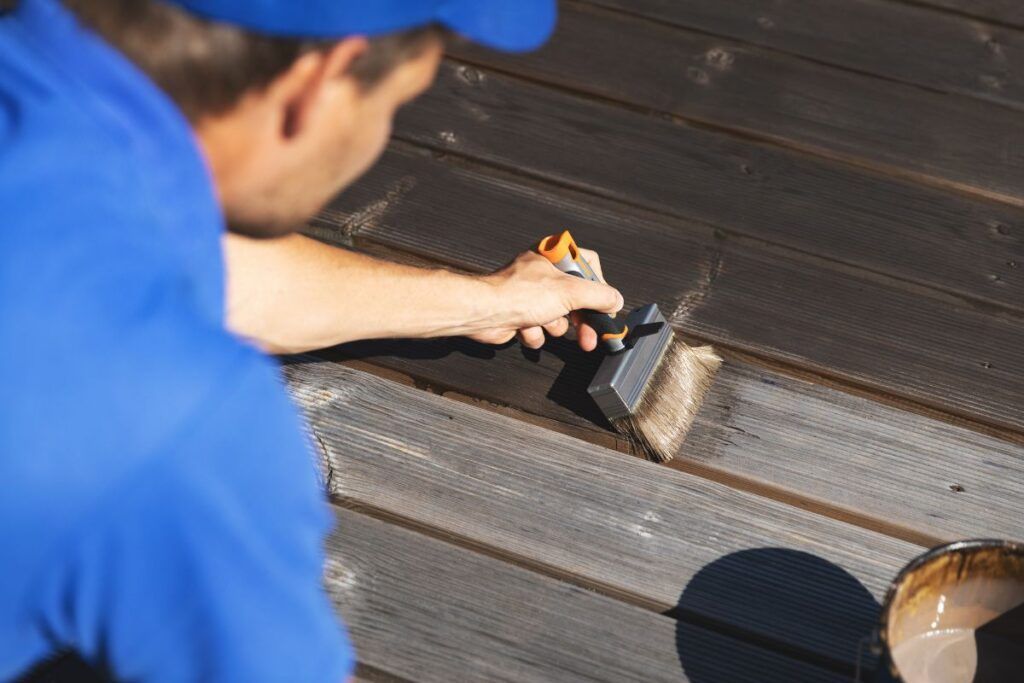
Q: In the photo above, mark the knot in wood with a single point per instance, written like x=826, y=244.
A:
x=470, y=75
x=719, y=58
x=698, y=76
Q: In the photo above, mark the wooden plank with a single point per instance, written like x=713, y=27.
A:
x=884, y=468
x=905, y=42
x=801, y=312
x=625, y=526
x=423, y=610
x=955, y=141
x=1005, y=11
x=936, y=238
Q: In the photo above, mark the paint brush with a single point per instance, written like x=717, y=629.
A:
x=650, y=384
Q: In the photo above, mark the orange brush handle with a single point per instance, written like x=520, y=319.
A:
x=563, y=253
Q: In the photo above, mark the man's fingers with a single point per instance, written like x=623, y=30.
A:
x=532, y=337
x=557, y=327
x=595, y=296
x=586, y=337
x=594, y=260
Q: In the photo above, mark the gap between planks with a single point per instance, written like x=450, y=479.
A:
x=497, y=553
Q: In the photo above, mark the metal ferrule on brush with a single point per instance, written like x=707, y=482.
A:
x=622, y=378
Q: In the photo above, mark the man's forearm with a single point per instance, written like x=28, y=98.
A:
x=295, y=294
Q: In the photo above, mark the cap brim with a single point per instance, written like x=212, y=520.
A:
x=508, y=25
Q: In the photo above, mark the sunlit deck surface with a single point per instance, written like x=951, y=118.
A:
x=832, y=194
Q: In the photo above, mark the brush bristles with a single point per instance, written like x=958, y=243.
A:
x=671, y=399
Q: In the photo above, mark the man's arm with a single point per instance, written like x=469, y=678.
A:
x=295, y=294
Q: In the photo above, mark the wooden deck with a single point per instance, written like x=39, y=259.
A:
x=830, y=192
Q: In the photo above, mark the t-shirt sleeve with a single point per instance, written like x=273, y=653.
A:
x=206, y=566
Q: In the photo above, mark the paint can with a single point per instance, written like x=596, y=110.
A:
x=955, y=615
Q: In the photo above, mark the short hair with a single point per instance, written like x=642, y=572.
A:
x=206, y=66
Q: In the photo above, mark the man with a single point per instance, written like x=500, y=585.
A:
x=160, y=514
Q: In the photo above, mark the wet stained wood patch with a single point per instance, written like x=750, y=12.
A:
x=948, y=52
x=959, y=141
x=921, y=345
x=874, y=222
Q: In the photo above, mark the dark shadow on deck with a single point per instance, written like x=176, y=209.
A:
x=412, y=349
x=568, y=390
x=788, y=602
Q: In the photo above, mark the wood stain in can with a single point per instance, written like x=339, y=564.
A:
x=956, y=615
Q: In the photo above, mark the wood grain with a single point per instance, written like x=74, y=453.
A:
x=1006, y=11
x=904, y=230
x=802, y=312
x=849, y=456
x=955, y=141
x=905, y=42
x=627, y=527
x=423, y=610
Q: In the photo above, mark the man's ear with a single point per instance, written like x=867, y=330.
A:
x=303, y=86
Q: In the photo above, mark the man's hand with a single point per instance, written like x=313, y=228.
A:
x=536, y=298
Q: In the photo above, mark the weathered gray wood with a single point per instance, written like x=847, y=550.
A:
x=934, y=237
x=630, y=527
x=803, y=312
x=887, y=468
x=897, y=40
x=712, y=80
x=424, y=610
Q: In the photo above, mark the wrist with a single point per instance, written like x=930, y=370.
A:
x=475, y=302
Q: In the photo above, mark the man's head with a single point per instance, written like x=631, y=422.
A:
x=285, y=122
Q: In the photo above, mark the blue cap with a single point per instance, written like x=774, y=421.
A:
x=510, y=25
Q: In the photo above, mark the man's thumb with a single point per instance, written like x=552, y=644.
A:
x=596, y=296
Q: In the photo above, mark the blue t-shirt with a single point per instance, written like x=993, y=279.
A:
x=159, y=507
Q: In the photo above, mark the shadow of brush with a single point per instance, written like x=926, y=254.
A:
x=509, y=374
x=569, y=388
